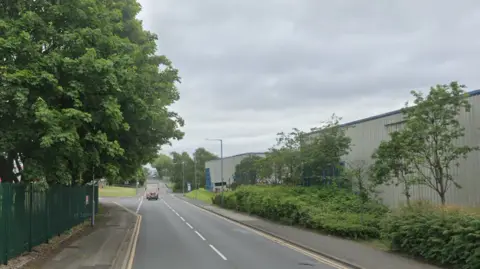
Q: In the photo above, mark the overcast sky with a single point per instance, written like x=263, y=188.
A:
x=253, y=68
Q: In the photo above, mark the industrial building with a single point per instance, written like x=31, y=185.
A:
x=366, y=135
x=213, y=179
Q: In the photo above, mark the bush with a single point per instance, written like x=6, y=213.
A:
x=442, y=235
x=330, y=210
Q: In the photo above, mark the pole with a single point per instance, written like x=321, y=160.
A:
x=221, y=167
x=195, y=175
x=183, y=178
x=30, y=232
x=93, y=197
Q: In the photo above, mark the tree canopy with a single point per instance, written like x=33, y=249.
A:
x=181, y=167
x=298, y=157
x=82, y=91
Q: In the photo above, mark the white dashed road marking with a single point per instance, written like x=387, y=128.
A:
x=191, y=227
x=139, y=205
x=219, y=253
x=203, y=238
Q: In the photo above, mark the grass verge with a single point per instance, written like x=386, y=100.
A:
x=202, y=195
x=115, y=191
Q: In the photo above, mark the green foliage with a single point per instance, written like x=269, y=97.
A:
x=446, y=236
x=429, y=141
x=298, y=155
x=246, y=172
x=324, y=148
x=164, y=166
x=182, y=168
x=81, y=91
x=201, y=156
x=393, y=164
x=330, y=210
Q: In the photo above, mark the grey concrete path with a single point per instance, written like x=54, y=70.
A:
x=354, y=253
x=104, y=247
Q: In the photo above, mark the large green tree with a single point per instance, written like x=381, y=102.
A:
x=81, y=91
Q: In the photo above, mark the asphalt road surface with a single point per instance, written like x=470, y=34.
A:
x=177, y=235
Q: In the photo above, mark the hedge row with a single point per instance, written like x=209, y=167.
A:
x=444, y=236
x=333, y=211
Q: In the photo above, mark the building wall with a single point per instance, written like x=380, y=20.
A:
x=367, y=134
x=229, y=163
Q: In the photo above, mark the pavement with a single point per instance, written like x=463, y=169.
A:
x=350, y=253
x=104, y=247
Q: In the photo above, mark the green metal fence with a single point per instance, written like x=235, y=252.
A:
x=29, y=218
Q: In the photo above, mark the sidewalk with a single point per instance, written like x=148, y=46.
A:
x=349, y=252
x=104, y=247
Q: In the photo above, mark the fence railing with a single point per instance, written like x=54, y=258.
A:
x=30, y=216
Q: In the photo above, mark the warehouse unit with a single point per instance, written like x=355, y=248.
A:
x=366, y=135
x=213, y=180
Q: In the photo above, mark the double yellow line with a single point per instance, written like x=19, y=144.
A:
x=132, y=244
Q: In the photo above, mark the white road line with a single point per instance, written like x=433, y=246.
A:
x=188, y=224
x=139, y=205
x=203, y=238
x=218, y=252
x=177, y=214
x=182, y=218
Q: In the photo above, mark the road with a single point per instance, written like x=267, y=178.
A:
x=178, y=235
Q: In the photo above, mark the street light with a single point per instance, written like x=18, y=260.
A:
x=183, y=178
x=195, y=175
x=221, y=163
x=183, y=175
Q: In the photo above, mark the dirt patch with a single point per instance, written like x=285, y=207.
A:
x=43, y=252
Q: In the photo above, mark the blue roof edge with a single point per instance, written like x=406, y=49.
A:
x=471, y=93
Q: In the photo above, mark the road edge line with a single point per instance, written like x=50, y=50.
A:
x=299, y=245
x=133, y=238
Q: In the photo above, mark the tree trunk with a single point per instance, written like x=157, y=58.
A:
x=442, y=197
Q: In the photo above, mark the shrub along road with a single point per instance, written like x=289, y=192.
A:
x=440, y=235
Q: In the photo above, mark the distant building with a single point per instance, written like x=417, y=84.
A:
x=366, y=135
x=213, y=179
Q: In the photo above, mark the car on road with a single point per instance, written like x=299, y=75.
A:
x=152, y=191
x=152, y=195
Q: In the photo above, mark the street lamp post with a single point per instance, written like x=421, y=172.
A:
x=221, y=164
x=195, y=175
x=183, y=178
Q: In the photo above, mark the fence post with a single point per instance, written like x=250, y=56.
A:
x=30, y=208
x=6, y=210
x=47, y=213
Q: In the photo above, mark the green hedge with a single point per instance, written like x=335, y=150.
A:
x=330, y=210
x=444, y=236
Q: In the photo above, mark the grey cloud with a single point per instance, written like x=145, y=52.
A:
x=250, y=68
